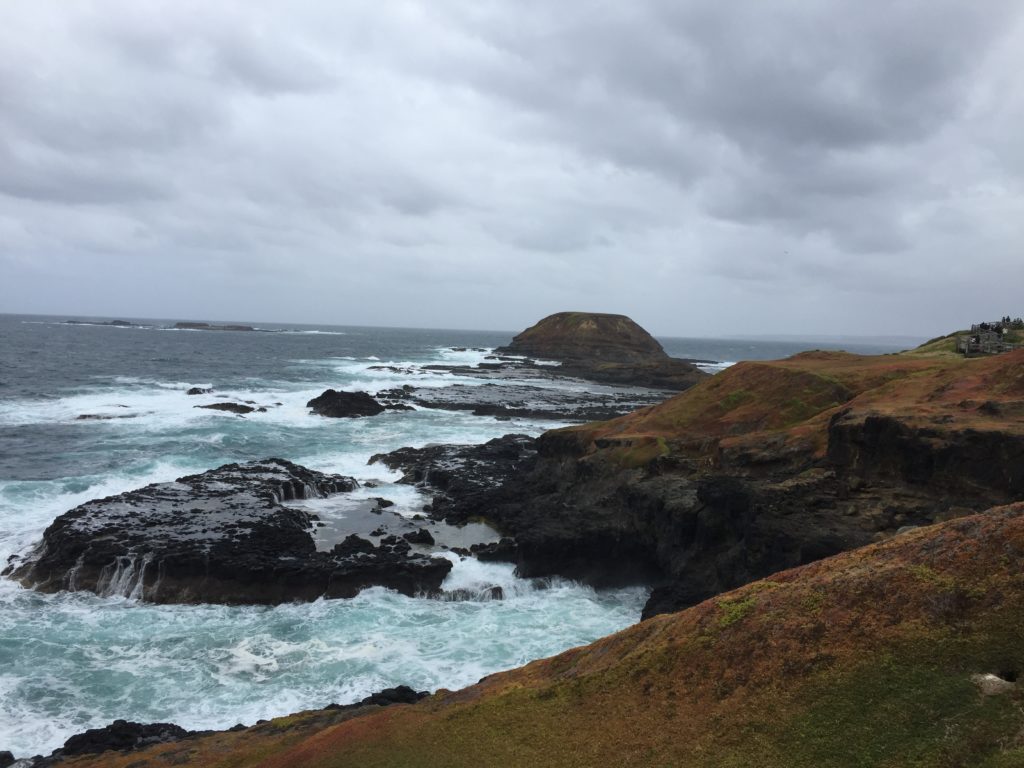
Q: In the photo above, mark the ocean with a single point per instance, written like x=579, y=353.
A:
x=73, y=661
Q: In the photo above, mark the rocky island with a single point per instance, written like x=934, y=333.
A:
x=605, y=348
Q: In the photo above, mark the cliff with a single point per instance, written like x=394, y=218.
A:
x=906, y=652
x=766, y=466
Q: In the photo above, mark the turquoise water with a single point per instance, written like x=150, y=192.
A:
x=75, y=661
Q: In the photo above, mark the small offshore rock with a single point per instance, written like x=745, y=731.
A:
x=199, y=391
x=344, y=405
x=230, y=407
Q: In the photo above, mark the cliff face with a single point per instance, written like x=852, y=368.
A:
x=606, y=348
x=766, y=466
x=587, y=336
x=906, y=652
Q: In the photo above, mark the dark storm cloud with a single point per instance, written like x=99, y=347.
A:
x=482, y=163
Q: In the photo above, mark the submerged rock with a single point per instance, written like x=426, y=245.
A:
x=342, y=405
x=238, y=408
x=223, y=536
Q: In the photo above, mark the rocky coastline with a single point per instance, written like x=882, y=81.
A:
x=793, y=517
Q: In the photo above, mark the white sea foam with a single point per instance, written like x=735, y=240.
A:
x=714, y=367
x=73, y=660
x=199, y=665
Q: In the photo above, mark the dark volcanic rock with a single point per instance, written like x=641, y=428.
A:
x=461, y=471
x=122, y=736
x=199, y=391
x=419, y=536
x=401, y=694
x=6, y=759
x=576, y=511
x=345, y=404
x=238, y=408
x=507, y=401
x=223, y=536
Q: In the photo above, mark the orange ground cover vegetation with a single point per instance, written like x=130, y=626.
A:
x=794, y=399
x=866, y=658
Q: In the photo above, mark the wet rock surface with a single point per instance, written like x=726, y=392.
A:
x=606, y=348
x=691, y=531
x=401, y=694
x=125, y=736
x=345, y=405
x=224, y=536
x=507, y=401
x=240, y=408
x=461, y=474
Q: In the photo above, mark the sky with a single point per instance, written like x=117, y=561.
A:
x=708, y=168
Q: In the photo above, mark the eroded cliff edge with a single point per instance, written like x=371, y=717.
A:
x=906, y=652
x=766, y=466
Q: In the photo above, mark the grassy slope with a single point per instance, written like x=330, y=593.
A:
x=864, y=659
x=794, y=399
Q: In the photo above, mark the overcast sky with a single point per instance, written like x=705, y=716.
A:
x=707, y=168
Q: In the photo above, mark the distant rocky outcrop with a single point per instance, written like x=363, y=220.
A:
x=122, y=739
x=211, y=327
x=606, y=348
x=345, y=405
x=587, y=337
x=115, y=323
x=224, y=536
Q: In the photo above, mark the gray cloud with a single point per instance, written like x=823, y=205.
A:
x=702, y=167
